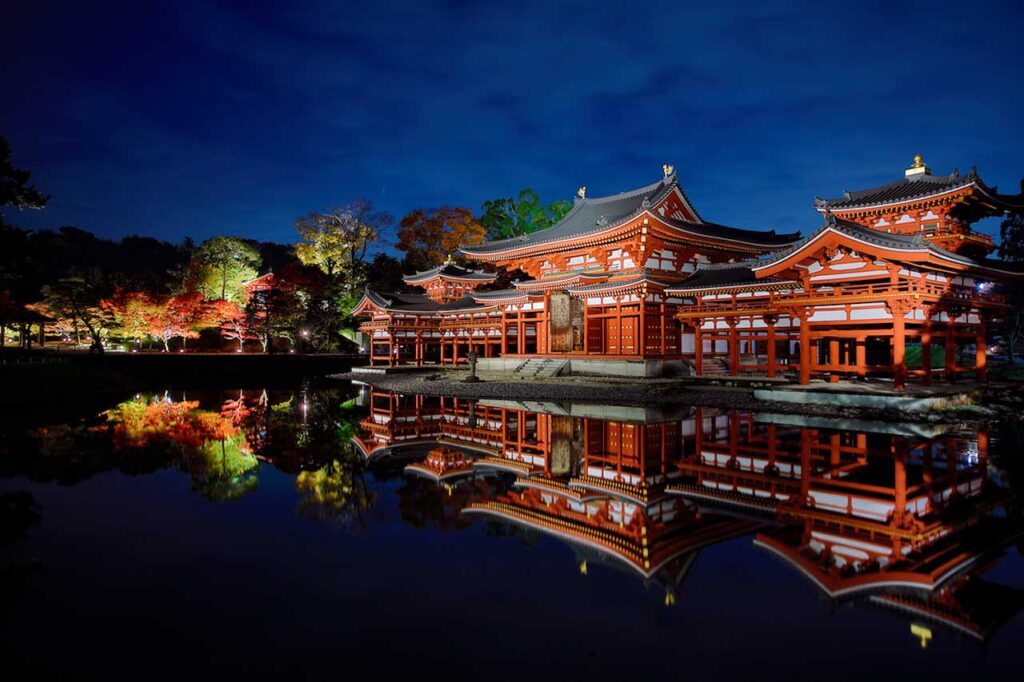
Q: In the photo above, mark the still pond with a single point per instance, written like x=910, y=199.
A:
x=331, y=531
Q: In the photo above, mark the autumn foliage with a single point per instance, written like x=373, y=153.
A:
x=429, y=236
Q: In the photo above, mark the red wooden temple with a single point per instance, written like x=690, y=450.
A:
x=637, y=283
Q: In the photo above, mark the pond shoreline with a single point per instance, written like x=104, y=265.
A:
x=992, y=403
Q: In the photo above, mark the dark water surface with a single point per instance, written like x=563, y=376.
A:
x=339, y=532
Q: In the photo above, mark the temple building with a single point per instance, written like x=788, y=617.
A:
x=639, y=284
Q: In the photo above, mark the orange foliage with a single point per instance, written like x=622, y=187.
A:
x=428, y=236
x=138, y=423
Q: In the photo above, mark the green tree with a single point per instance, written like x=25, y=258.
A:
x=507, y=217
x=337, y=241
x=78, y=297
x=14, y=188
x=221, y=265
x=274, y=312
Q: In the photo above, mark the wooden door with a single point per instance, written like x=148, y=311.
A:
x=560, y=322
x=611, y=336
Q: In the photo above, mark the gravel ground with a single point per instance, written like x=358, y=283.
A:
x=659, y=391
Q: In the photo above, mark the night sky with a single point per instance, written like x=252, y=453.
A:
x=175, y=119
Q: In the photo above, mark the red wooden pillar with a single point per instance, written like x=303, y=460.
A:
x=734, y=347
x=641, y=343
x=950, y=348
x=805, y=349
x=861, y=354
x=770, y=320
x=983, y=453
x=981, y=351
x=698, y=347
x=900, y=472
x=663, y=339
x=899, y=349
x=806, y=440
x=926, y=349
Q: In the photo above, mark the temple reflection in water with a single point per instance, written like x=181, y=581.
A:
x=900, y=516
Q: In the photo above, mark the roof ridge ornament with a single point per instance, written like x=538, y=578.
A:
x=917, y=168
x=582, y=192
x=646, y=203
x=602, y=221
x=954, y=174
x=668, y=169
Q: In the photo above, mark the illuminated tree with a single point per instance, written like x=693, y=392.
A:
x=181, y=315
x=78, y=296
x=223, y=469
x=221, y=265
x=132, y=312
x=337, y=241
x=429, y=236
x=274, y=312
x=508, y=217
x=334, y=492
x=232, y=320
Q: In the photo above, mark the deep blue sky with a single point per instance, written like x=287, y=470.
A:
x=175, y=119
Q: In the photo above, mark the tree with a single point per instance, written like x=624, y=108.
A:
x=429, y=236
x=337, y=241
x=132, y=312
x=221, y=265
x=506, y=218
x=181, y=315
x=14, y=188
x=384, y=273
x=335, y=492
x=1011, y=248
x=232, y=320
x=78, y=297
x=274, y=311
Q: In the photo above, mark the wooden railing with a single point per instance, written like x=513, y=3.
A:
x=830, y=295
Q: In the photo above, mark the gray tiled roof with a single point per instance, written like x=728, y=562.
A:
x=913, y=187
x=499, y=294
x=451, y=270
x=590, y=215
x=718, y=275
x=898, y=242
x=465, y=303
x=760, y=237
x=641, y=276
x=401, y=301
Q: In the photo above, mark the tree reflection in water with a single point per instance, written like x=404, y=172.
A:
x=307, y=433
